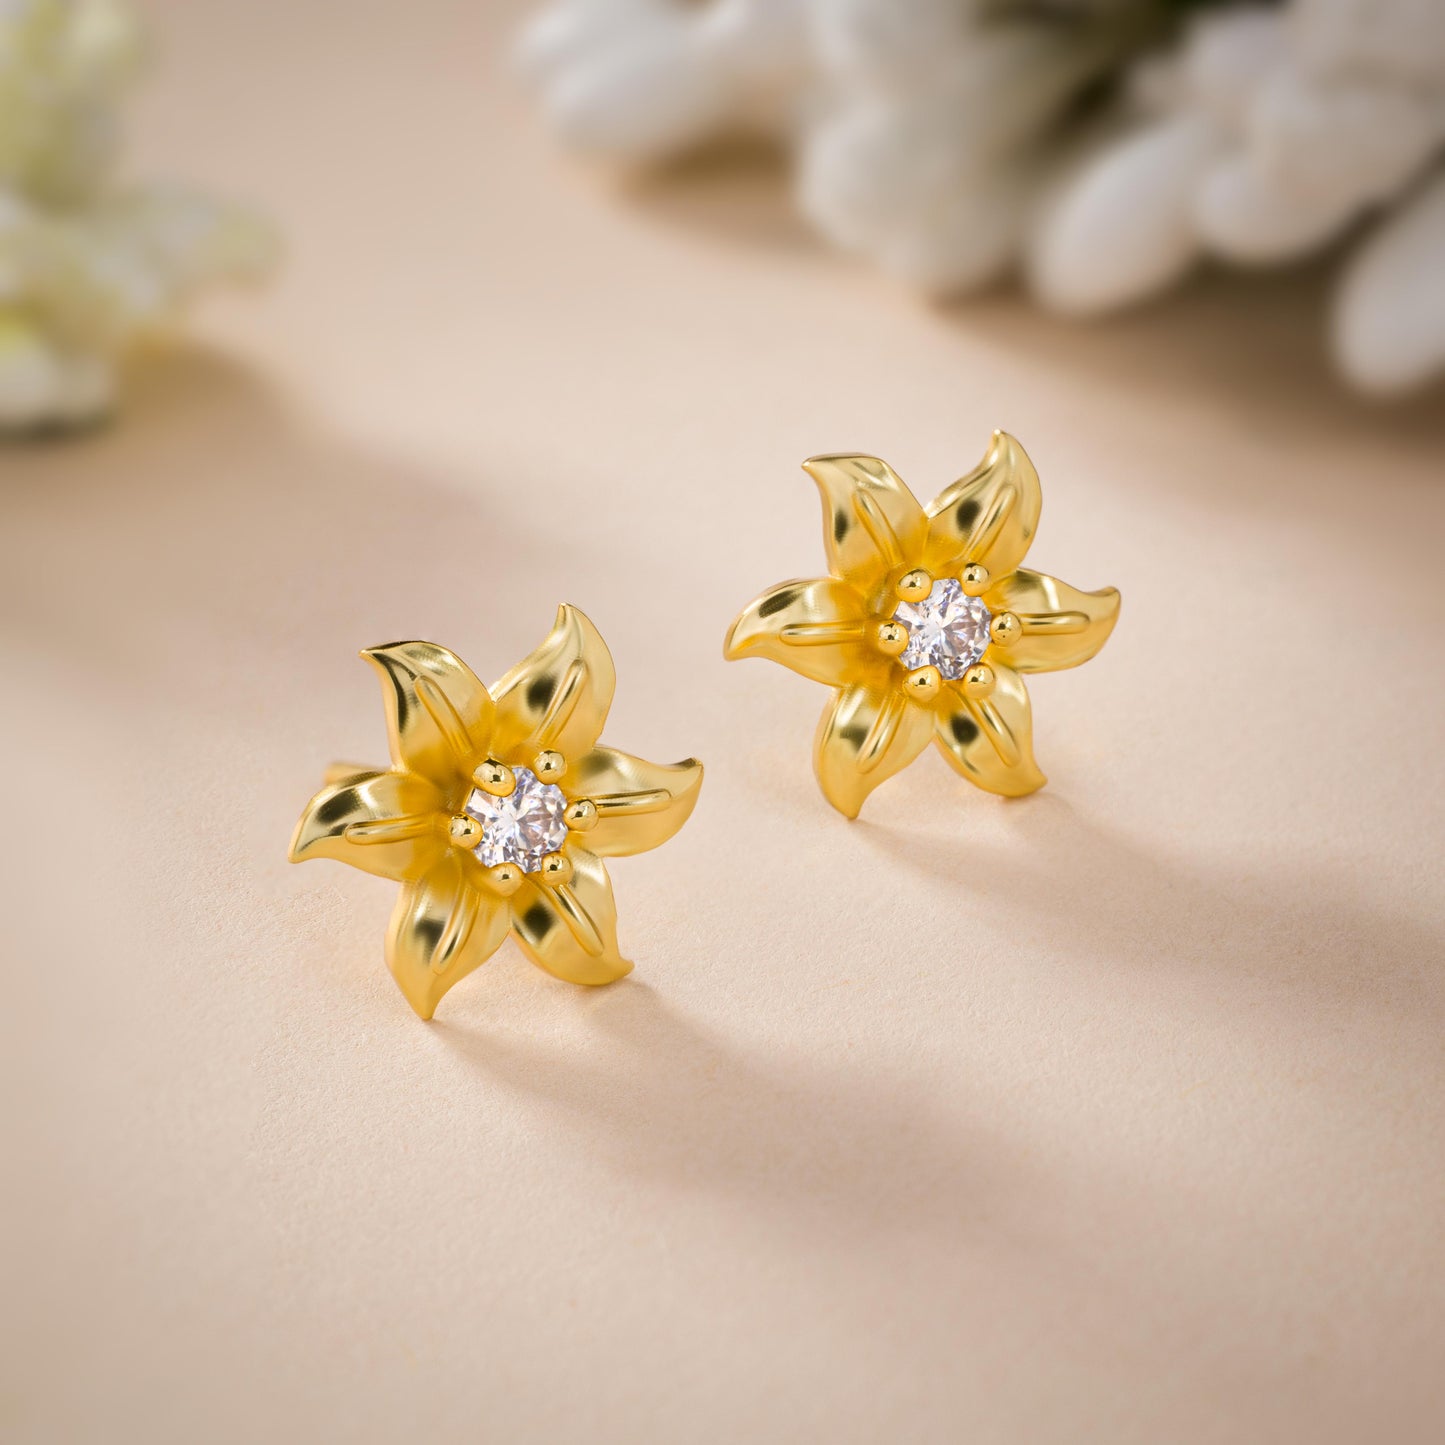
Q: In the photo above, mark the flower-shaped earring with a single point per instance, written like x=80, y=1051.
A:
x=497, y=812
x=925, y=624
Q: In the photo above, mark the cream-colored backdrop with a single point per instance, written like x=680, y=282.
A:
x=1114, y=1115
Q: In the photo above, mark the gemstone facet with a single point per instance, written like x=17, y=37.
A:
x=523, y=827
x=947, y=630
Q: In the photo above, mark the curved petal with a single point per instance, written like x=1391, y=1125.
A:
x=990, y=516
x=558, y=696
x=865, y=736
x=438, y=715
x=443, y=926
x=382, y=823
x=872, y=523
x=991, y=742
x=818, y=629
x=571, y=931
x=640, y=805
x=1062, y=626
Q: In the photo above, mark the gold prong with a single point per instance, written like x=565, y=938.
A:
x=979, y=682
x=914, y=586
x=495, y=778
x=549, y=766
x=974, y=579
x=1005, y=628
x=556, y=870
x=891, y=637
x=923, y=684
x=464, y=831
x=581, y=815
x=504, y=879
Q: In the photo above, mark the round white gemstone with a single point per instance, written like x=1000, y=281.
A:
x=948, y=629
x=523, y=827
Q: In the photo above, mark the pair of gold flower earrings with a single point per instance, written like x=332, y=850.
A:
x=500, y=804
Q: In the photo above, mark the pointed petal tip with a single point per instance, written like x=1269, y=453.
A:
x=425, y=1009
x=377, y=654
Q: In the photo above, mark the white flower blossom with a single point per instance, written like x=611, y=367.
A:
x=88, y=263
x=1282, y=130
x=940, y=138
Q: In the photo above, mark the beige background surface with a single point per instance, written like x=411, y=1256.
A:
x=1114, y=1115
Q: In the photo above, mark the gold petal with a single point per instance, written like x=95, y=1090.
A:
x=640, y=805
x=382, y=823
x=991, y=742
x=990, y=516
x=865, y=736
x=442, y=928
x=818, y=628
x=1062, y=626
x=571, y=931
x=872, y=523
x=438, y=715
x=558, y=696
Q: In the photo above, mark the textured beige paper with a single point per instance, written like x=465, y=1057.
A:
x=1110, y=1116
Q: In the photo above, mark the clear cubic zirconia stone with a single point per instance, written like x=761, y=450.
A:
x=947, y=630
x=523, y=827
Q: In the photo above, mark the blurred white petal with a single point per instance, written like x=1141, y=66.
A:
x=1122, y=228
x=1388, y=329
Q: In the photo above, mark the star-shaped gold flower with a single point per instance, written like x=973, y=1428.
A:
x=925, y=624
x=485, y=811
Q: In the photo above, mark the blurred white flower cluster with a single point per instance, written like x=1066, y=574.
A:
x=950, y=141
x=88, y=264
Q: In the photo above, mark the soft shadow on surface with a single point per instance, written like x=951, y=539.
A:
x=657, y=1094
x=1250, y=345
x=735, y=191
x=1313, y=930
x=217, y=532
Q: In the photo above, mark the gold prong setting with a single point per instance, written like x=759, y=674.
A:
x=891, y=637
x=504, y=879
x=947, y=629
x=581, y=815
x=914, y=586
x=549, y=766
x=979, y=682
x=923, y=684
x=464, y=831
x=523, y=826
x=495, y=779
x=555, y=870
x=1005, y=628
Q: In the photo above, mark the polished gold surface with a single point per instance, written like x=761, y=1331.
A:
x=581, y=815
x=449, y=733
x=549, y=765
x=979, y=682
x=892, y=638
x=495, y=778
x=914, y=586
x=556, y=870
x=923, y=683
x=974, y=580
x=464, y=831
x=882, y=545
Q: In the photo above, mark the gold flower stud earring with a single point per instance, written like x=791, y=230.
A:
x=497, y=812
x=925, y=624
